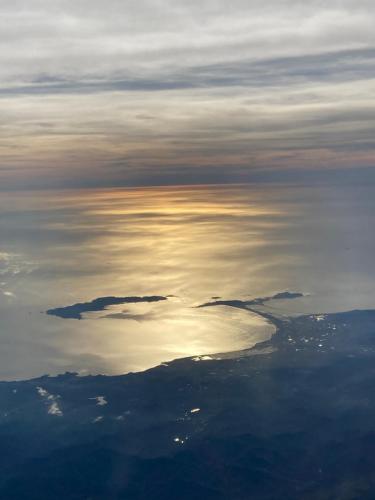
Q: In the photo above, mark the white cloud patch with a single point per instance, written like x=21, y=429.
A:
x=42, y=392
x=55, y=410
x=63, y=40
x=100, y=400
x=52, y=402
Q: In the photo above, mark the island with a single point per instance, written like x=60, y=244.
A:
x=75, y=311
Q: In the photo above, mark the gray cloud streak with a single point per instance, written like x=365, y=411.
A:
x=329, y=67
x=116, y=92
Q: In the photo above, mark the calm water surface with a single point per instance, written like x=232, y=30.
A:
x=59, y=248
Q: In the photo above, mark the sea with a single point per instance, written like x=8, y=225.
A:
x=189, y=244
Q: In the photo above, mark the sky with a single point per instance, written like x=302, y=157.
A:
x=152, y=92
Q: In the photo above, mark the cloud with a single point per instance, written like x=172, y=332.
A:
x=338, y=66
x=115, y=93
x=64, y=38
x=100, y=400
x=52, y=402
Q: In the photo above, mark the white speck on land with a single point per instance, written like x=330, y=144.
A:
x=321, y=317
x=179, y=440
x=202, y=358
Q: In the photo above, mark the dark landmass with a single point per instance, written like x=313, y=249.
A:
x=75, y=311
x=296, y=421
x=100, y=304
x=253, y=302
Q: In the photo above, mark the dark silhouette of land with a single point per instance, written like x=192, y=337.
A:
x=292, y=418
x=75, y=311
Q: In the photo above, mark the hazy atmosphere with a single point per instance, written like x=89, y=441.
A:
x=168, y=92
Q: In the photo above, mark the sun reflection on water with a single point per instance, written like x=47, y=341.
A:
x=189, y=244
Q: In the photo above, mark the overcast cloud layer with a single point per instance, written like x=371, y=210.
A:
x=149, y=92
